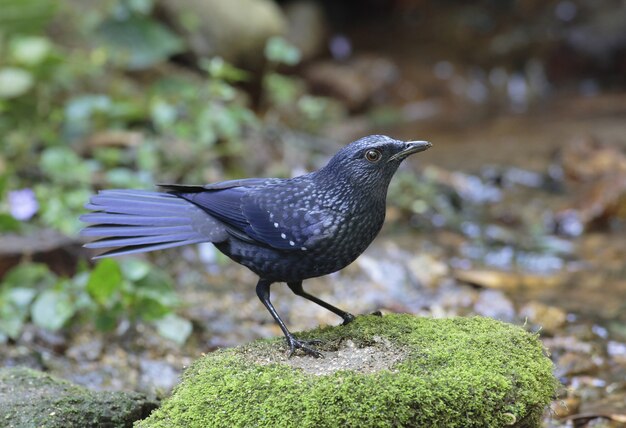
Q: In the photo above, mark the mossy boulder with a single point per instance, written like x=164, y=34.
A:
x=29, y=398
x=396, y=370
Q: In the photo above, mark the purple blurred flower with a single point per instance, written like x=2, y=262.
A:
x=340, y=47
x=23, y=204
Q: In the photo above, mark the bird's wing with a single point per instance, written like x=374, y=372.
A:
x=245, y=182
x=288, y=217
x=225, y=205
x=221, y=200
x=279, y=216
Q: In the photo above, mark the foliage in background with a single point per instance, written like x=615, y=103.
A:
x=73, y=120
x=286, y=97
x=113, y=291
x=57, y=101
x=99, y=106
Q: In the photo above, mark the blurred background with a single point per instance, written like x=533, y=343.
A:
x=518, y=212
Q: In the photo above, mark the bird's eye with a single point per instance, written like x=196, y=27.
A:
x=372, y=155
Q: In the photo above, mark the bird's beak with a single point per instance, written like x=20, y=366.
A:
x=411, y=147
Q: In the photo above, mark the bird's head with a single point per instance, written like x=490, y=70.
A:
x=371, y=161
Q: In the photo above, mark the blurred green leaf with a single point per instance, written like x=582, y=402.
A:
x=31, y=50
x=280, y=51
x=105, y=321
x=25, y=16
x=153, y=295
x=157, y=285
x=83, y=106
x=149, y=309
x=11, y=323
x=313, y=108
x=221, y=90
x=20, y=297
x=29, y=275
x=4, y=182
x=281, y=90
x=134, y=269
x=222, y=70
x=104, y=281
x=141, y=6
x=8, y=223
x=138, y=42
x=15, y=82
x=79, y=111
x=52, y=309
x=64, y=166
x=14, y=305
x=108, y=156
x=174, y=328
x=148, y=157
x=124, y=177
x=163, y=114
x=60, y=208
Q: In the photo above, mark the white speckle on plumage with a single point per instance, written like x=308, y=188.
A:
x=276, y=225
x=282, y=235
x=303, y=248
x=292, y=243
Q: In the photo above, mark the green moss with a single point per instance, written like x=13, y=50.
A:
x=456, y=372
x=29, y=398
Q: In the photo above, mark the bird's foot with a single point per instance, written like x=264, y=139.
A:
x=347, y=318
x=377, y=313
x=304, y=345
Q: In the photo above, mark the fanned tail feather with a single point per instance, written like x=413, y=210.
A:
x=136, y=221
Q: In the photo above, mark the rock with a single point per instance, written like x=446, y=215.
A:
x=428, y=269
x=233, y=29
x=565, y=407
x=356, y=82
x=612, y=408
x=584, y=159
x=395, y=370
x=617, y=351
x=506, y=280
x=157, y=376
x=572, y=364
x=45, y=246
x=494, y=304
x=29, y=398
x=548, y=318
x=307, y=27
x=596, y=175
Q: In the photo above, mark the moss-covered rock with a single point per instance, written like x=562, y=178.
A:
x=29, y=398
x=396, y=370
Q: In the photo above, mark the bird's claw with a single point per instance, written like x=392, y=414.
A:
x=304, y=345
x=347, y=319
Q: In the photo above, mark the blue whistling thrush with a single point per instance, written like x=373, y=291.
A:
x=284, y=230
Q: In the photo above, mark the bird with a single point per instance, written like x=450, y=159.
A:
x=283, y=229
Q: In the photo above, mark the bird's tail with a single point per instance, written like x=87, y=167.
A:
x=135, y=221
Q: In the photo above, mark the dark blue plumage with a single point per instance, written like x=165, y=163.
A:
x=284, y=230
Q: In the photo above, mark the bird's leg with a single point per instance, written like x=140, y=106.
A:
x=263, y=291
x=296, y=287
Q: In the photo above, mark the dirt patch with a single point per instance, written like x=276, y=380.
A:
x=379, y=355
